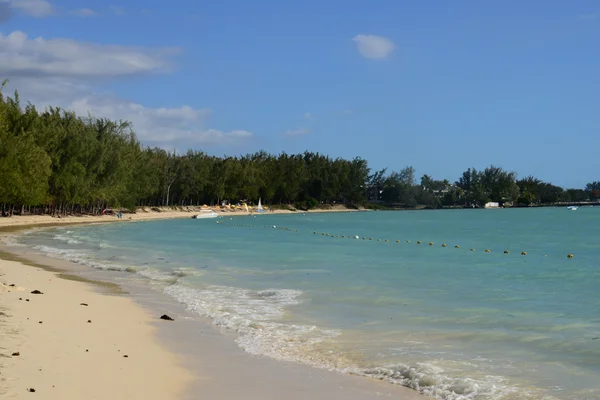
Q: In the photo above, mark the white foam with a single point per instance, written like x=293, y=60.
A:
x=78, y=257
x=66, y=239
x=157, y=276
x=10, y=240
x=435, y=381
x=255, y=315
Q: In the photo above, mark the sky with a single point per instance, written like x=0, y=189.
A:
x=438, y=85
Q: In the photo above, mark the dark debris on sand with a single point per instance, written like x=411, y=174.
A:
x=36, y=292
x=166, y=317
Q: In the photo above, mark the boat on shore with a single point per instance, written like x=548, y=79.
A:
x=572, y=208
x=206, y=214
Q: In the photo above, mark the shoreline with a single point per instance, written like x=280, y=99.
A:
x=205, y=351
x=68, y=343
x=20, y=222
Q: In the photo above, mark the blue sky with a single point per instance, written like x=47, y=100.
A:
x=438, y=85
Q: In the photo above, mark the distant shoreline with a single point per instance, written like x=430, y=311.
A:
x=421, y=207
x=21, y=222
x=18, y=223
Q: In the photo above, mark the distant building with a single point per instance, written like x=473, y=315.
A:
x=492, y=204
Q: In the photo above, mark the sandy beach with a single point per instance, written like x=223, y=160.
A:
x=81, y=338
x=141, y=214
x=73, y=341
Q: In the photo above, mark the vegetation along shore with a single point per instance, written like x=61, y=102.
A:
x=55, y=162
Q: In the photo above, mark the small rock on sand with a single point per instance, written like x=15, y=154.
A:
x=16, y=354
x=166, y=317
x=83, y=304
x=32, y=390
x=36, y=292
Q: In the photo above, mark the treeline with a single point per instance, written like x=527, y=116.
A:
x=474, y=188
x=53, y=161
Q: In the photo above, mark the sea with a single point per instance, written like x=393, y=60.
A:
x=457, y=304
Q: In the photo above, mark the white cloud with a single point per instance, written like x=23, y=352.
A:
x=22, y=56
x=309, y=116
x=85, y=12
x=296, y=132
x=34, y=8
x=372, y=46
x=159, y=126
x=70, y=74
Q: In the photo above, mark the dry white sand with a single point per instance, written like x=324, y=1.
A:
x=142, y=214
x=105, y=350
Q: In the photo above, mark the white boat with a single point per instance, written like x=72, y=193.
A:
x=572, y=208
x=206, y=214
x=260, y=207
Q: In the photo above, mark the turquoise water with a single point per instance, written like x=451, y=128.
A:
x=450, y=322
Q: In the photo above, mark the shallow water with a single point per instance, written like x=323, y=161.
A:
x=450, y=322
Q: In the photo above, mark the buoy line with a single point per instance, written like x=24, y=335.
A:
x=364, y=238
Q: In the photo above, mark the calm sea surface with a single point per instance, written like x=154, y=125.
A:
x=450, y=322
